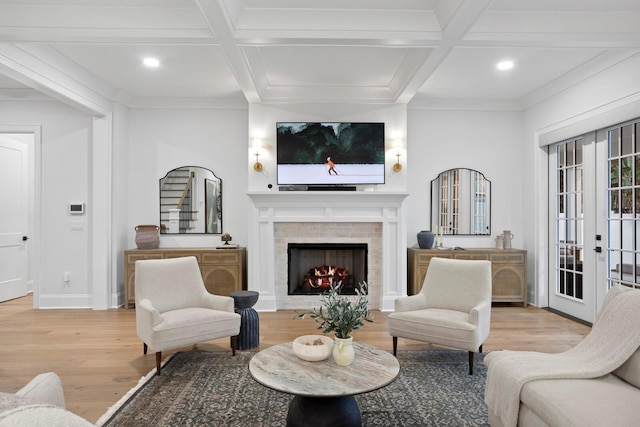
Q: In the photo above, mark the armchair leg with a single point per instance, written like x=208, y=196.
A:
x=158, y=360
x=471, y=363
x=234, y=345
x=144, y=347
x=480, y=350
x=395, y=345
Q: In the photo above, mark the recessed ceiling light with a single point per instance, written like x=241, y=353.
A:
x=151, y=62
x=504, y=65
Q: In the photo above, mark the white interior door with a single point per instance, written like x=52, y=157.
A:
x=14, y=215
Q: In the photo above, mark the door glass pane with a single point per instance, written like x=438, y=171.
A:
x=578, y=154
x=570, y=154
x=569, y=236
x=614, y=147
x=627, y=140
x=627, y=201
x=623, y=254
x=626, y=172
x=614, y=173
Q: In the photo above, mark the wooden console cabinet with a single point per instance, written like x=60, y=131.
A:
x=508, y=268
x=223, y=270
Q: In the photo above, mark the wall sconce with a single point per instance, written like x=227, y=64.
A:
x=257, y=145
x=397, y=144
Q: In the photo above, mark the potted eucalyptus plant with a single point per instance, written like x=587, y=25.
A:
x=342, y=315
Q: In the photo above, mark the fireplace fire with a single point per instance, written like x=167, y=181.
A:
x=315, y=267
x=325, y=276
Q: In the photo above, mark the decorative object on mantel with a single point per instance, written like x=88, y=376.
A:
x=426, y=239
x=147, y=236
x=342, y=315
x=312, y=348
x=226, y=238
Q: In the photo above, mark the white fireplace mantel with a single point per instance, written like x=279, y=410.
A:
x=326, y=206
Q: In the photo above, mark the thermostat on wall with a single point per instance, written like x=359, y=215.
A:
x=76, y=208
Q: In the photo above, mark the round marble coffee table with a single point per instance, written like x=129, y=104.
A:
x=323, y=390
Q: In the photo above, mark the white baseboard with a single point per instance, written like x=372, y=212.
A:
x=65, y=301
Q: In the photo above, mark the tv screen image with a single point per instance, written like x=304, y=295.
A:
x=330, y=153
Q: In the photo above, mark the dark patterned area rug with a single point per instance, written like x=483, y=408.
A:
x=216, y=389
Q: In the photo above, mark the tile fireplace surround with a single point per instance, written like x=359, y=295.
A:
x=371, y=217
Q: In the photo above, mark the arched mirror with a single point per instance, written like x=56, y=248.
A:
x=190, y=201
x=461, y=203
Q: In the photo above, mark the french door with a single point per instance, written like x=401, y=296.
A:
x=623, y=208
x=594, y=218
x=571, y=199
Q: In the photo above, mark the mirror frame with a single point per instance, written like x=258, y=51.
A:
x=208, y=189
x=436, y=214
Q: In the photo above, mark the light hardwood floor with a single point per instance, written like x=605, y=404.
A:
x=99, y=357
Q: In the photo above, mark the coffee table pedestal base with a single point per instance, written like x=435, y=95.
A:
x=340, y=411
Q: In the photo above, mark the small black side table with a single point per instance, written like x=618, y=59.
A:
x=249, y=321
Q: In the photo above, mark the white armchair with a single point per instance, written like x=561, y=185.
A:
x=174, y=309
x=452, y=309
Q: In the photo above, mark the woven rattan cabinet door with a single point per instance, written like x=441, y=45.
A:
x=224, y=271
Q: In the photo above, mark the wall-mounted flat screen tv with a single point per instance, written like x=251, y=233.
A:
x=330, y=153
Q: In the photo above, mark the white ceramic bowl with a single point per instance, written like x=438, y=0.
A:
x=307, y=347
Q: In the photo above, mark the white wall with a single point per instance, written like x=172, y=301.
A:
x=487, y=141
x=163, y=139
x=65, y=175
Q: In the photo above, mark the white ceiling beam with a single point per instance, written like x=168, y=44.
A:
x=217, y=19
x=40, y=69
x=458, y=25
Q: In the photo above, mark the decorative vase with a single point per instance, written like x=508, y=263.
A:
x=506, y=239
x=425, y=239
x=343, y=352
x=147, y=236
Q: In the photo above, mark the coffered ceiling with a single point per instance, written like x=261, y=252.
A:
x=361, y=51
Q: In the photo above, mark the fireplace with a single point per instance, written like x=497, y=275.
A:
x=282, y=217
x=314, y=267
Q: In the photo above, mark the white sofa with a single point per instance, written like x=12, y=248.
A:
x=594, y=384
x=39, y=403
x=610, y=400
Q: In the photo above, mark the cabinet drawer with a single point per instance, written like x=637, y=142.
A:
x=476, y=256
x=132, y=258
x=517, y=258
x=223, y=256
x=197, y=255
x=425, y=258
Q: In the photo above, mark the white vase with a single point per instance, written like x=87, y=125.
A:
x=343, y=352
